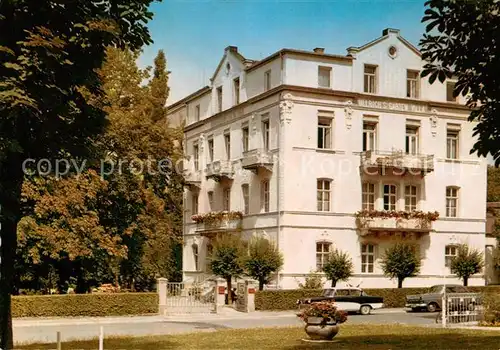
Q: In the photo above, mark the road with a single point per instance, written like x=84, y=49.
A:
x=36, y=330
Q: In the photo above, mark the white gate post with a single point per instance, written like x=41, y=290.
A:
x=162, y=295
x=444, y=308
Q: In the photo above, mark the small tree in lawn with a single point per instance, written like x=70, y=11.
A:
x=338, y=267
x=467, y=262
x=401, y=261
x=227, y=259
x=263, y=259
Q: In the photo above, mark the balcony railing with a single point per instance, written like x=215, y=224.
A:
x=395, y=221
x=257, y=159
x=220, y=169
x=396, y=162
x=215, y=222
x=191, y=176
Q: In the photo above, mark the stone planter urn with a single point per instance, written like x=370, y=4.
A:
x=317, y=329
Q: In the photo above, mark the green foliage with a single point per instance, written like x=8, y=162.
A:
x=263, y=260
x=312, y=281
x=460, y=41
x=401, y=261
x=467, y=262
x=338, y=267
x=491, y=302
x=73, y=305
x=493, y=184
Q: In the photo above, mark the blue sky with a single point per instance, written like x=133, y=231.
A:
x=194, y=33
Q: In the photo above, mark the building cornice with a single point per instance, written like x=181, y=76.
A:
x=188, y=98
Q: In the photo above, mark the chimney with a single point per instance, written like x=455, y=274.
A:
x=319, y=50
x=231, y=48
x=388, y=31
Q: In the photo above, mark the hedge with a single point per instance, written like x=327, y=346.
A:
x=286, y=299
x=105, y=304
x=491, y=309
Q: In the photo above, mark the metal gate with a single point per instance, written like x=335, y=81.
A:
x=461, y=308
x=185, y=298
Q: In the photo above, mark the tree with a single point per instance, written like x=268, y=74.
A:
x=47, y=63
x=338, y=267
x=263, y=259
x=466, y=263
x=227, y=258
x=493, y=184
x=461, y=41
x=401, y=261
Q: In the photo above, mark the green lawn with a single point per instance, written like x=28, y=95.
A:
x=350, y=337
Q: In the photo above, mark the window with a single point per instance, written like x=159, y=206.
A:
x=324, y=76
x=450, y=86
x=452, y=144
x=245, y=134
x=367, y=258
x=197, y=113
x=369, y=136
x=411, y=198
x=236, y=83
x=450, y=251
x=219, y=99
x=208, y=257
x=390, y=197
x=368, y=196
x=194, y=203
x=226, y=199
x=195, y=256
x=265, y=134
x=322, y=253
x=412, y=84
x=451, y=202
x=324, y=133
x=210, y=150
x=323, y=194
x=210, y=195
x=227, y=144
x=246, y=198
x=412, y=140
x=196, y=157
x=267, y=80
x=370, y=79
x=264, y=199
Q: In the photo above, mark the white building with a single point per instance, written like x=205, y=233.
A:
x=301, y=141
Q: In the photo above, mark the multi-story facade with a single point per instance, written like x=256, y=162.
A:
x=300, y=142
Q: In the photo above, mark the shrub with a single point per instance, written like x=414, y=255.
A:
x=325, y=310
x=112, y=304
x=312, y=281
x=491, y=302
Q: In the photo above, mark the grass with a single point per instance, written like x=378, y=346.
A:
x=374, y=337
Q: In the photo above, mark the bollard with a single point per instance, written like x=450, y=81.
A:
x=59, y=341
x=101, y=338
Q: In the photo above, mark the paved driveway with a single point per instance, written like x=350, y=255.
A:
x=37, y=330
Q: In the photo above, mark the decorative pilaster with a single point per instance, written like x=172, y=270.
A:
x=348, y=114
x=434, y=122
x=286, y=106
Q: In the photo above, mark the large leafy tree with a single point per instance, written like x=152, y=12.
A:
x=468, y=262
x=227, y=258
x=401, y=261
x=264, y=259
x=49, y=54
x=338, y=267
x=461, y=40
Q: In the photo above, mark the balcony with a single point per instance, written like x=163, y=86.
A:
x=220, y=170
x=396, y=163
x=394, y=223
x=257, y=159
x=212, y=223
x=192, y=178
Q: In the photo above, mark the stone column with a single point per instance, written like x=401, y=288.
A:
x=161, y=289
x=220, y=297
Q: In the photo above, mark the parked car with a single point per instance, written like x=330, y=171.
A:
x=432, y=300
x=347, y=299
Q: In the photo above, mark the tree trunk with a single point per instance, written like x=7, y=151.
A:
x=334, y=283
x=261, y=284
x=11, y=179
x=400, y=282
x=466, y=281
x=229, y=292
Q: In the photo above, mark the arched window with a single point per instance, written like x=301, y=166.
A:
x=323, y=249
x=195, y=255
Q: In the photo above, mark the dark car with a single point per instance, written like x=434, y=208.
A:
x=432, y=300
x=347, y=299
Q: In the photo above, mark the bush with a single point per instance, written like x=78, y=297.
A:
x=393, y=297
x=113, y=304
x=491, y=308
